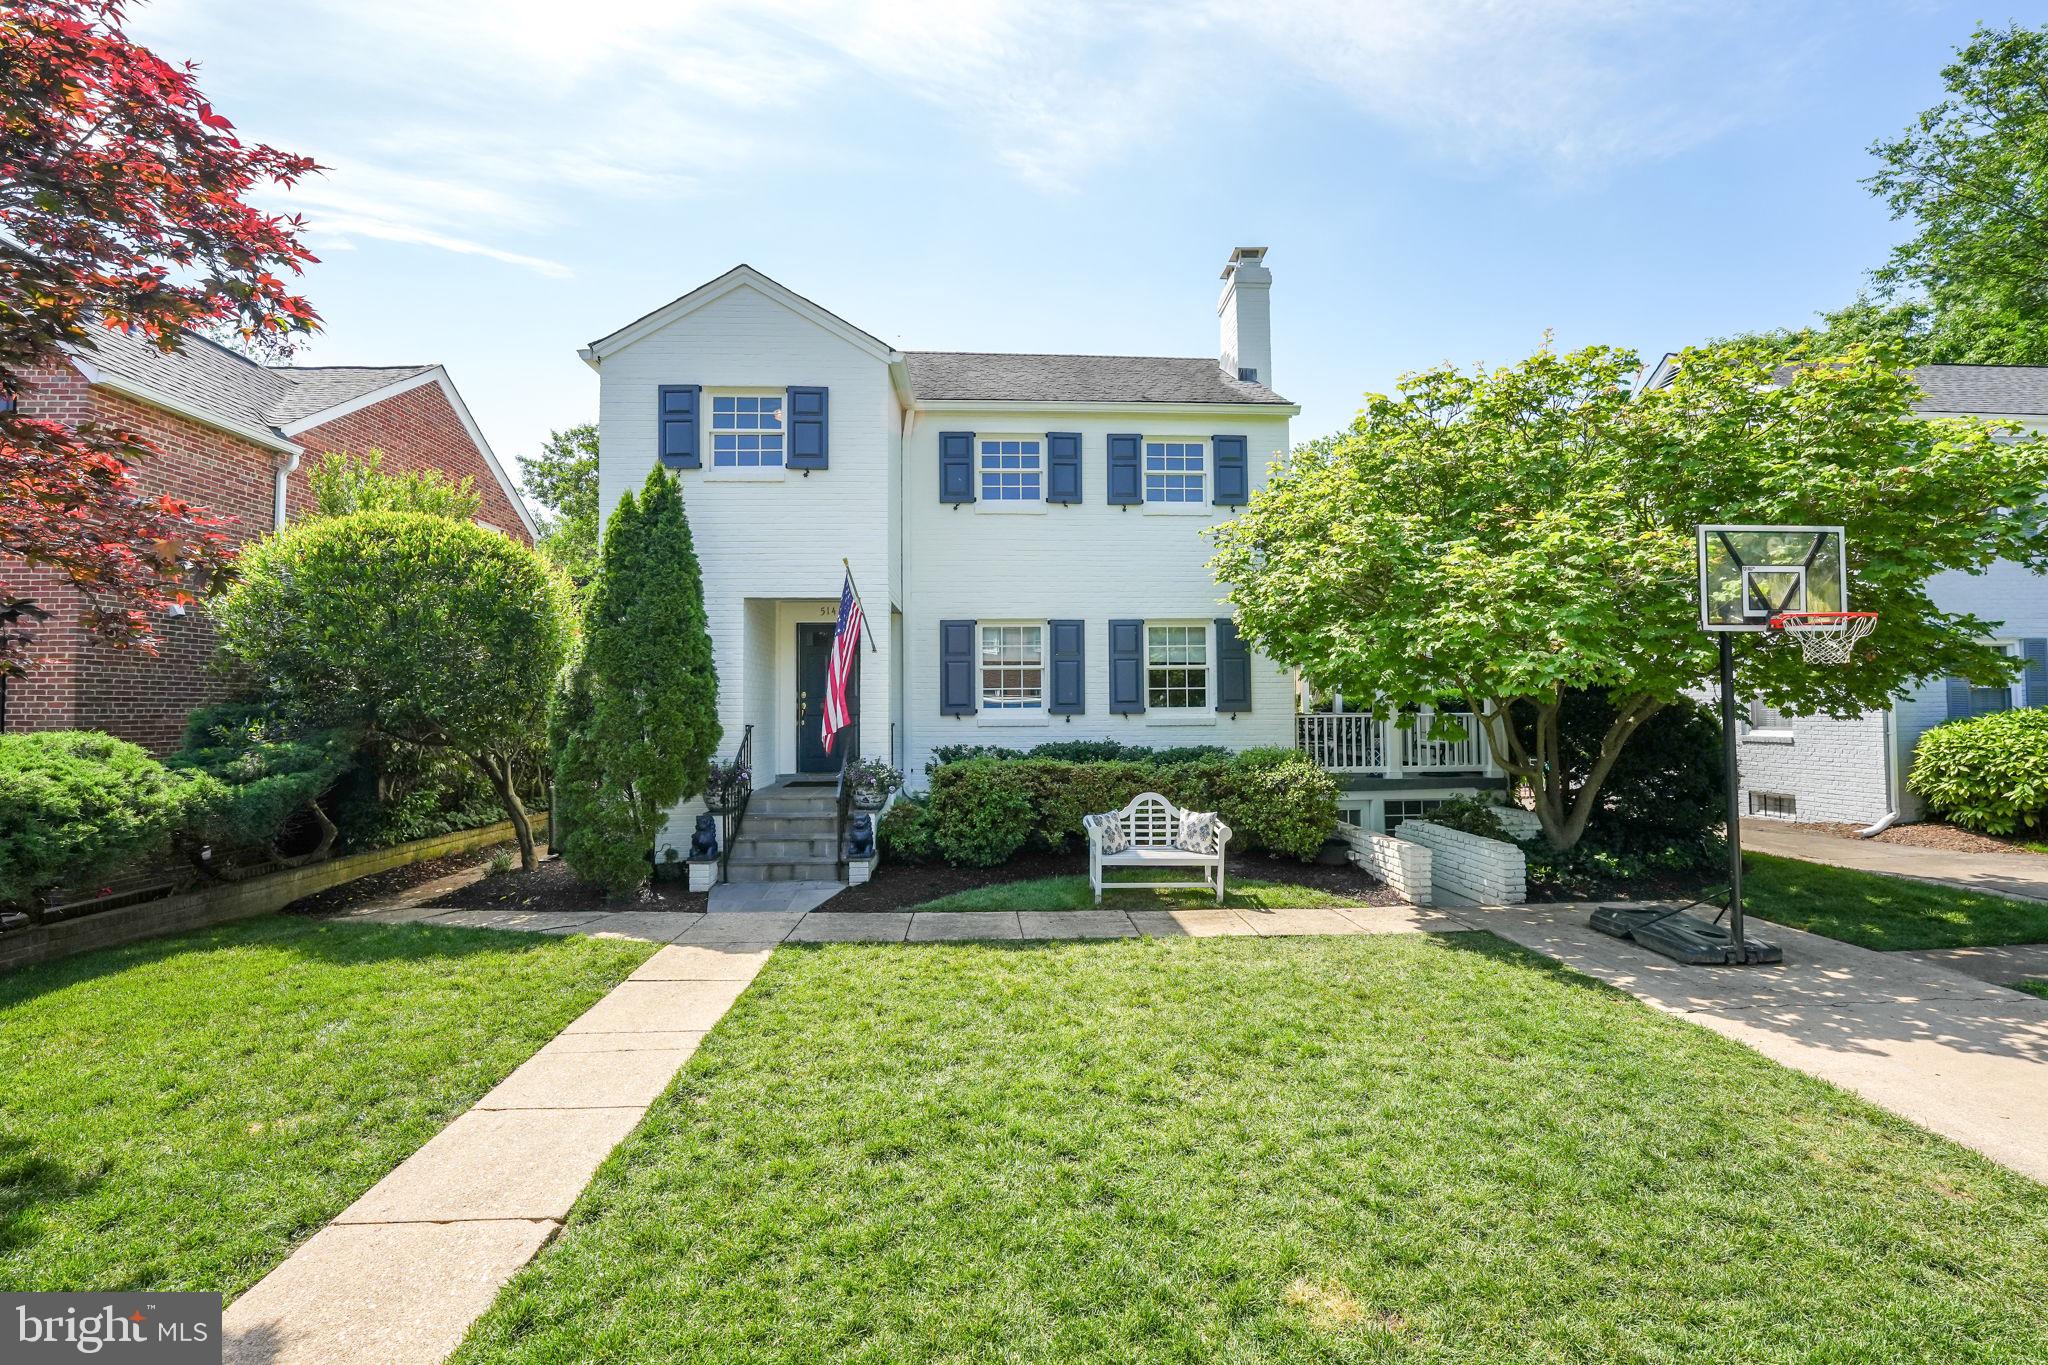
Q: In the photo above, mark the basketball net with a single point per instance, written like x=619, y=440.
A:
x=1825, y=637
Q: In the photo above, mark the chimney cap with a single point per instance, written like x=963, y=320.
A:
x=1243, y=255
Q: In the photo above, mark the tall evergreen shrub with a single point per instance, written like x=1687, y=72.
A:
x=635, y=721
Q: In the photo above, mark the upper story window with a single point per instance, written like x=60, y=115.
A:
x=1768, y=720
x=746, y=431
x=1012, y=668
x=1177, y=667
x=1174, y=471
x=1012, y=469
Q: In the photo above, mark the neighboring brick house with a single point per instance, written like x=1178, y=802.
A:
x=239, y=439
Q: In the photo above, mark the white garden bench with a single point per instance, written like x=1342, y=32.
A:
x=1149, y=832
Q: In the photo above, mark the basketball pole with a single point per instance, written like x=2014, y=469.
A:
x=1732, y=774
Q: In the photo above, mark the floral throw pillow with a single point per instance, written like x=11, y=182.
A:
x=1197, y=832
x=1109, y=832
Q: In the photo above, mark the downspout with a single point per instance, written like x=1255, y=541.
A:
x=1891, y=778
x=281, y=473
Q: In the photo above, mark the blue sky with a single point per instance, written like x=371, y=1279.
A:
x=1436, y=179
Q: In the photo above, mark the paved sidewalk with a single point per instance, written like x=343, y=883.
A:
x=2000, y=966
x=400, y=1275
x=2024, y=875
x=923, y=926
x=1950, y=1052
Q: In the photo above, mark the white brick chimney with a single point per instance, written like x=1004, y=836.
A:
x=1246, y=313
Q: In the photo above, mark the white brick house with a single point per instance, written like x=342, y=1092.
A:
x=1818, y=769
x=1024, y=530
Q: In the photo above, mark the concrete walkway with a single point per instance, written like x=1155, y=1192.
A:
x=400, y=1275
x=1952, y=1053
x=2000, y=966
x=923, y=926
x=2024, y=875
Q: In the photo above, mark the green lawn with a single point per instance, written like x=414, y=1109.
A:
x=177, y=1114
x=1074, y=893
x=1408, y=1147
x=2039, y=988
x=1881, y=912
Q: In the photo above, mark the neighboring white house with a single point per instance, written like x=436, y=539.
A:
x=1024, y=531
x=1817, y=769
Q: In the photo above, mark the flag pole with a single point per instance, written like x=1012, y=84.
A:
x=873, y=648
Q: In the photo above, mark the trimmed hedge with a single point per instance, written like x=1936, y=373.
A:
x=76, y=804
x=983, y=811
x=1987, y=773
x=1077, y=751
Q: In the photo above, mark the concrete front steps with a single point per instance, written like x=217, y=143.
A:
x=789, y=834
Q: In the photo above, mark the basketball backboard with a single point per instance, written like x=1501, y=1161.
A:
x=1748, y=574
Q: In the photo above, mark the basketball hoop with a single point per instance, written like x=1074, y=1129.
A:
x=1825, y=637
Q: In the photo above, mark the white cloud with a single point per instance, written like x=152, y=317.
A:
x=469, y=125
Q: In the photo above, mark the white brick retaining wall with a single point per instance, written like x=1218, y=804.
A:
x=1519, y=822
x=1402, y=865
x=1469, y=868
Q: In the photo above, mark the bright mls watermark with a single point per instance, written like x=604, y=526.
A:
x=166, y=1329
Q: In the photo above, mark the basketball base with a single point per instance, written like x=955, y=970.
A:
x=1683, y=938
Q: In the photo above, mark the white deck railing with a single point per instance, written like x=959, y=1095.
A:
x=1355, y=742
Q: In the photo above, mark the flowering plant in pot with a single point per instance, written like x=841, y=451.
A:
x=872, y=780
x=725, y=784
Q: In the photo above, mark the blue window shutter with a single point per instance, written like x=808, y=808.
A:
x=956, y=467
x=1233, y=482
x=956, y=668
x=1069, y=670
x=808, y=422
x=677, y=417
x=1126, y=665
x=2035, y=652
x=1063, y=466
x=1959, y=699
x=1125, y=485
x=1233, y=668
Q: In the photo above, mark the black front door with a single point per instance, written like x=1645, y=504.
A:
x=813, y=660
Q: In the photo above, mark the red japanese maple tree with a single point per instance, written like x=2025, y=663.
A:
x=122, y=204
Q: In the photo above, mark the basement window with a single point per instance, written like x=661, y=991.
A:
x=1781, y=805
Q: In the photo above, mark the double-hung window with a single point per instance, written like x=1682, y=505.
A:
x=1012, y=468
x=1176, y=668
x=746, y=431
x=1174, y=470
x=1012, y=668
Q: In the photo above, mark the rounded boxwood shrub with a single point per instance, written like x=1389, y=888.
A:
x=904, y=833
x=77, y=804
x=1987, y=773
x=980, y=812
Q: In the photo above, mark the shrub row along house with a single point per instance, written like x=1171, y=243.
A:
x=1818, y=768
x=1024, y=530
x=240, y=440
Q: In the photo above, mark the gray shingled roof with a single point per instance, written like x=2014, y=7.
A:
x=318, y=388
x=996, y=377
x=200, y=374
x=215, y=380
x=1994, y=390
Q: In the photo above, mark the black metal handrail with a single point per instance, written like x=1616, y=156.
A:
x=844, y=802
x=735, y=811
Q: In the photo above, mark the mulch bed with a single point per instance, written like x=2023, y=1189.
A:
x=1930, y=834
x=378, y=885
x=552, y=886
x=900, y=886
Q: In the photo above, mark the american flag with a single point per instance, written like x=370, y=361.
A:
x=845, y=646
